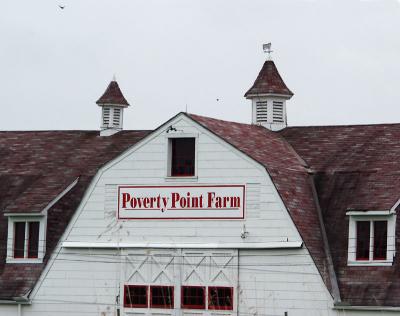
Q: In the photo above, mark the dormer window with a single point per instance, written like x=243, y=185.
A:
x=26, y=238
x=370, y=237
x=375, y=231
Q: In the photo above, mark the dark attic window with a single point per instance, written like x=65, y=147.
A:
x=371, y=240
x=380, y=240
x=19, y=239
x=26, y=240
x=182, y=157
x=363, y=237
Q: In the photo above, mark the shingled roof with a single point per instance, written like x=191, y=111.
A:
x=288, y=172
x=35, y=167
x=356, y=168
x=112, y=96
x=269, y=81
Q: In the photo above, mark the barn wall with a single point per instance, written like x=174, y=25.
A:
x=266, y=220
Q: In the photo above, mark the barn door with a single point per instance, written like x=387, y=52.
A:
x=210, y=269
x=178, y=268
x=151, y=269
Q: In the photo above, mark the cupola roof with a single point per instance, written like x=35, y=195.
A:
x=269, y=81
x=112, y=96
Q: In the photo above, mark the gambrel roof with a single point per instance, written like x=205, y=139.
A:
x=35, y=167
x=352, y=167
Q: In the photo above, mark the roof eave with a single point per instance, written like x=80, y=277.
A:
x=112, y=104
x=256, y=95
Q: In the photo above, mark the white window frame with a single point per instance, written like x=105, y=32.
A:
x=12, y=219
x=168, y=176
x=371, y=216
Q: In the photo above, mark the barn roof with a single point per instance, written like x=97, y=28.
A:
x=353, y=167
x=35, y=167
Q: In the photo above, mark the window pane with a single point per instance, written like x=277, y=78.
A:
x=193, y=297
x=380, y=240
x=19, y=239
x=162, y=296
x=33, y=241
x=183, y=156
x=363, y=234
x=220, y=298
x=135, y=296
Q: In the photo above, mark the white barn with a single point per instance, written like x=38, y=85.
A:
x=201, y=216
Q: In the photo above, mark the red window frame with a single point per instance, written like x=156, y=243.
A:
x=183, y=156
x=19, y=240
x=363, y=235
x=127, y=287
x=380, y=240
x=212, y=305
x=166, y=306
x=193, y=306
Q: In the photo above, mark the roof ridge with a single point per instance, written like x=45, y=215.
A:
x=339, y=125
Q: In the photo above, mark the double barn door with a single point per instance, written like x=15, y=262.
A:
x=177, y=268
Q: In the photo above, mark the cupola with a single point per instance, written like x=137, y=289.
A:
x=268, y=95
x=112, y=103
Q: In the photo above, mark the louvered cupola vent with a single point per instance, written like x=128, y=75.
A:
x=262, y=111
x=277, y=114
x=106, y=116
x=117, y=117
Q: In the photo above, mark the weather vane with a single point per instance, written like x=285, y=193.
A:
x=267, y=49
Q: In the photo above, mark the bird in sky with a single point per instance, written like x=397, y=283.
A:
x=61, y=6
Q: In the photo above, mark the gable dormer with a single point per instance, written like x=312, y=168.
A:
x=268, y=95
x=112, y=103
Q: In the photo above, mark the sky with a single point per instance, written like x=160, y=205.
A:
x=341, y=58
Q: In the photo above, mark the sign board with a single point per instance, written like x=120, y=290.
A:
x=181, y=202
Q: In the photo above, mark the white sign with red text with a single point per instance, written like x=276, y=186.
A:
x=181, y=202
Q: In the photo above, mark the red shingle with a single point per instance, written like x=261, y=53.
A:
x=112, y=95
x=269, y=81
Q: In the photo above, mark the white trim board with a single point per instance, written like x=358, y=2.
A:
x=253, y=245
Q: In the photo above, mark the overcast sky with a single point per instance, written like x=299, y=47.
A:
x=340, y=58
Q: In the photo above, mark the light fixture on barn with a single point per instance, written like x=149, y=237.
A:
x=171, y=129
x=244, y=232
